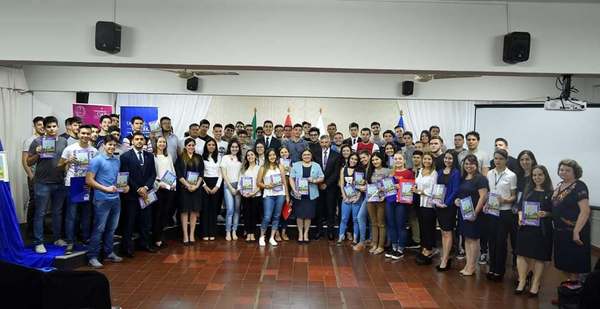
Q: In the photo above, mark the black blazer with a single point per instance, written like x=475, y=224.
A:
x=275, y=143
x=139, y=175
x=332, y=170
x=348, y=141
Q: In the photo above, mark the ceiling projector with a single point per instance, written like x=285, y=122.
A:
x=560, y=104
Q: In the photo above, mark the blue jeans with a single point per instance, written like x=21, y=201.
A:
x=272, y=209
x=347, y=210
x=359, y=218
x=395, y=217
x=45, y=194
x=71, y=219
x=106, y=219
x=232, y=203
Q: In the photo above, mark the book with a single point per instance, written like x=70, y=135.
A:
x=286, y=164
x=3, y=167
x=82, y=156
x=169, y=178
x=247, y=184
x=48, y=147
x=350, y=190
x=373, y=194
x=359, y=178
x=405, y=194
x=438, y=194
x=492, y=205
x=122, y=179
x=530, y=213
x=467, y=210
x=302, y=184
x=150, y=198
x=79, y=191
x=388, y=186
x=192, y=177
x=277, y=182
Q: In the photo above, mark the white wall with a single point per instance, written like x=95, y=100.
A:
x=334, y=34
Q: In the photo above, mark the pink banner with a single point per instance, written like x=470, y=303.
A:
x=90, y=113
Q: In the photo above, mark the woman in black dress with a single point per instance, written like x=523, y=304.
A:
x=527, y=161
x=475, y=186
x=571, y=213
x=190, y=199
x=534, y=243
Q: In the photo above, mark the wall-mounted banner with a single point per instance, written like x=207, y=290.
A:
x=90, y=113
x=149, y=114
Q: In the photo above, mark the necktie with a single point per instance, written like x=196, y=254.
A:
x=141, y=158
x=325, y=157
x=268, y=140
x=353, y=141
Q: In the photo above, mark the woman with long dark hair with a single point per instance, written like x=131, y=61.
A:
x=272, y=180
x=362, y=213
x=251, y=197
x=425, y=180
x=449, y=178
x=231, y=164
x=376, y=201
x=351, y=196
x=211, y=195
x=284, y=159
x=189, y=168
x=166, y=192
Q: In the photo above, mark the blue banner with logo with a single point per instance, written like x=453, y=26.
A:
x=149, y=114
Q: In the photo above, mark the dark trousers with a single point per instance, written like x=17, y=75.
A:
x=498, y=229
x=134, y=213
x=427, y=222
x=251, y=213
x=327, y=207
x=211, y=204
x=160, y=213
x=30, y=206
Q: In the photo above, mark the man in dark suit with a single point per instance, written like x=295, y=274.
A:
x=142, y=173
x=354, y=138
x=269, y=139
x=330, y=162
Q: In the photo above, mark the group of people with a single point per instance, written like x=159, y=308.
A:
x=384, y=191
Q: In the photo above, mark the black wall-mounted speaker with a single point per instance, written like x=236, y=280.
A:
x=516, y=47
x=408, y=87
x=82, y=97
x=192, y=83
x=108, y=37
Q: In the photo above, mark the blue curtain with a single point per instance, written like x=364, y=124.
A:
x=11, y=244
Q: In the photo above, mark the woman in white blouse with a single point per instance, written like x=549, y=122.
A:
x=426, y=179
x=271, y=178
x=251, y=199
x=167, y=181
x=231, y=164
x=211, y=194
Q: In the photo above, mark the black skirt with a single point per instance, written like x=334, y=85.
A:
x=535, y=241
x=304, y=208
x=189, y=201
x=569, y=256
x=446, y=217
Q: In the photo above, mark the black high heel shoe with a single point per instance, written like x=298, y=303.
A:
x=447, y=268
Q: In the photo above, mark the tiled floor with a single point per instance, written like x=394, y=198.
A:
x=319, y=275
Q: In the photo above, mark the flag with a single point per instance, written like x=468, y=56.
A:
x=254, y=125
x=288, y=120
x=320, y=124
x=401, y=122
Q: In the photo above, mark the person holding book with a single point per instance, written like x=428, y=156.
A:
x=413, y=212
x=396, y=207
x=167, y=184
x=231, y=164
x=48, y=179
x=360, y=179
x=304, y=179
x=376, y=201
x=251, y=195
x=76, y=159
x=211, y=193
x=285, y=160
x=345, y=151
x=102, y=178
x=444, y=193
x=534, y=236
x=272, y=180
x=424, y=183
x=571, y=214
x=38, y=130
x=142, y=174
x=189, y=169
x=327, y=205
x=260, y=149
x=470, y=199
x=499, y=218
x=352, y=199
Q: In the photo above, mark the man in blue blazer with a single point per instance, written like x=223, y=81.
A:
x=142, y=174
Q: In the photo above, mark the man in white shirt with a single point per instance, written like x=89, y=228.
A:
x=353, y=139
x=270, y=140
x=194, y=130
x=218, y=136
x=365, y=142
x=473, y=148
x=38, y=130
x=459, y=143
x=166, y=130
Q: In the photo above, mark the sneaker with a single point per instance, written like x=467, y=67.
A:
x=261, y=241
x=228, y=236
x=94, y=263
x=358, y=247
x=272, y=241
x=114, y=258
x=60, y=243
x=389, y=253
x=398, y=254
x=414, y=245
x=40, y=249
x=234, y=236
x=69, y=249
x=483, y=259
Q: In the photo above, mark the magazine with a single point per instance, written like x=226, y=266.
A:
x=150, y=198
x=192, y=177
x=373, y=194
x=48, y=147
x=276, y=182
x=388, y=186
x=405, y=194
x=359, y=178
x=169, y=179
x=350, y=191
x=302, y=184
x=492, y=205
x=466, y=208
x=122, y=179
x=247, y=184
x=438, y=194
x=530, y=213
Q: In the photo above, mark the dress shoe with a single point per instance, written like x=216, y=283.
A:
x=330, y=236
x=150, y=249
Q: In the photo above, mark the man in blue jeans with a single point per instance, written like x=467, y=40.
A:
x=102, y=177
x=44, y=152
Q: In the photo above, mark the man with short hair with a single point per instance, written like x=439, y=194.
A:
x=95, y=134
x=313, y=143
x=338, y=142
x=287, y=132
x=512, y=163
x=239, y=126
x=296, y=144
x=331, y=130
x=269, y=139
x=72, y=129
x=76, y=159
x=459, y=142
x=228, y=132
x=115, y=120
x=473, y=148
x=142, y=174
x=44, y=152
x=137, y=125
x=102, y=178
x=328, y=190
x=244, y=140
x=204, y=126
x=249, y=130
x=399, y=133
x=105, y=122
x=353, y=139
x=166, y=130
x=194, y=132
x=306, y=130
x=38, y=130
x=119, y=148
x=218, y=136
x=435, y=146
x=375, y=138
x=365, y=142
x=388, y=137
x=278, y=132
x=413, y=212
x=408, y=149
x=260, y=133
x=434, y=131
